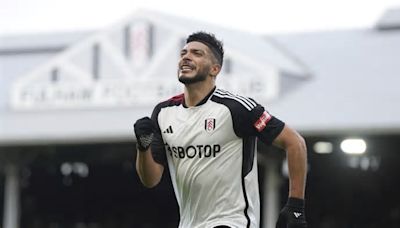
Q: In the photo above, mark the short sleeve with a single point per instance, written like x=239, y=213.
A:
x=255, y=121
x=250, y=119
x=264, y=125
x=157, y=146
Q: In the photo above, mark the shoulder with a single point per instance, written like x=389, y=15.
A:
x=244, y=111
x=173, y=101
x=234, y=101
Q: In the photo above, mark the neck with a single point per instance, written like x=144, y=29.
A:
x=194, y=93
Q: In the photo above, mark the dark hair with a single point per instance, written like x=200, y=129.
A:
x=215, y=45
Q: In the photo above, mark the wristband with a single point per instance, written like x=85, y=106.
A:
x=295, y=202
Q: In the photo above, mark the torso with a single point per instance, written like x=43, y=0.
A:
x=213, y=170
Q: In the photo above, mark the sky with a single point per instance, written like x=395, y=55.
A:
x=255, y=16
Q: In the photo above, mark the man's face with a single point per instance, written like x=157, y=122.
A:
x=195, y=63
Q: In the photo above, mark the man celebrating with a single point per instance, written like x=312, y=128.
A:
x=207, y=138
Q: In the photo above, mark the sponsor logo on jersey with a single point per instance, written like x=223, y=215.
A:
x=261, y=123
x=194, y=151
x=209, y=124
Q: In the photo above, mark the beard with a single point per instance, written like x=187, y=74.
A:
x=199, y=77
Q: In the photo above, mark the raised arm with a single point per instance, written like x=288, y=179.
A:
x=149, y=171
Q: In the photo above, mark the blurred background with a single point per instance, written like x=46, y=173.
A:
x=75, y=76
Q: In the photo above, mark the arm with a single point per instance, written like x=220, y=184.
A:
x=149, y=171
x=296, y=151
x=293, y=213
x=269, y=129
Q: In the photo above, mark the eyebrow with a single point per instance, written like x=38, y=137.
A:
x=193, y=50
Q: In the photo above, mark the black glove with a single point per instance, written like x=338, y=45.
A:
x=144, y=131
x=292, y=215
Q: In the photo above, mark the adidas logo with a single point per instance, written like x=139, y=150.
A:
x=297, y=214
x=168, y=130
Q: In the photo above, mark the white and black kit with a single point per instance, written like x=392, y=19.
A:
x=210, y=150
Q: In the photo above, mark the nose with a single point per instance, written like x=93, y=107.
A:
x=185, y=56
x=185, y=59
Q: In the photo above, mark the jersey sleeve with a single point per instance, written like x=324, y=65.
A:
x=264, y=125
x=256, y=121
x=157, y=146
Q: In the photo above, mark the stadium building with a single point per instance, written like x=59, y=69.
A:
x=68, y=102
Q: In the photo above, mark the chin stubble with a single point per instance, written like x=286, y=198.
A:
x=201, y=76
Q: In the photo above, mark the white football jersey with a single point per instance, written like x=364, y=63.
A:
x=210, y=150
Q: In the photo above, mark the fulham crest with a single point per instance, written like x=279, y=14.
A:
x=209, y=124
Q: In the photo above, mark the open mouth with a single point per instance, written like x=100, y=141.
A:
x=186, y=68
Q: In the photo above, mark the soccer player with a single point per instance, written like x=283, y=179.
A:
x=206, y=137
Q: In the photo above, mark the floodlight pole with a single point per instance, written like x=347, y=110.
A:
x=272, y=180
x=11, y=196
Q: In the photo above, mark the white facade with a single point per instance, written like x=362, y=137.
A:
x=94, y=89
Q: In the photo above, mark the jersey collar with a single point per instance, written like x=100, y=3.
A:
x=203, y=101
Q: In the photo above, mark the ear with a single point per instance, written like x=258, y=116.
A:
x=215, y=69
